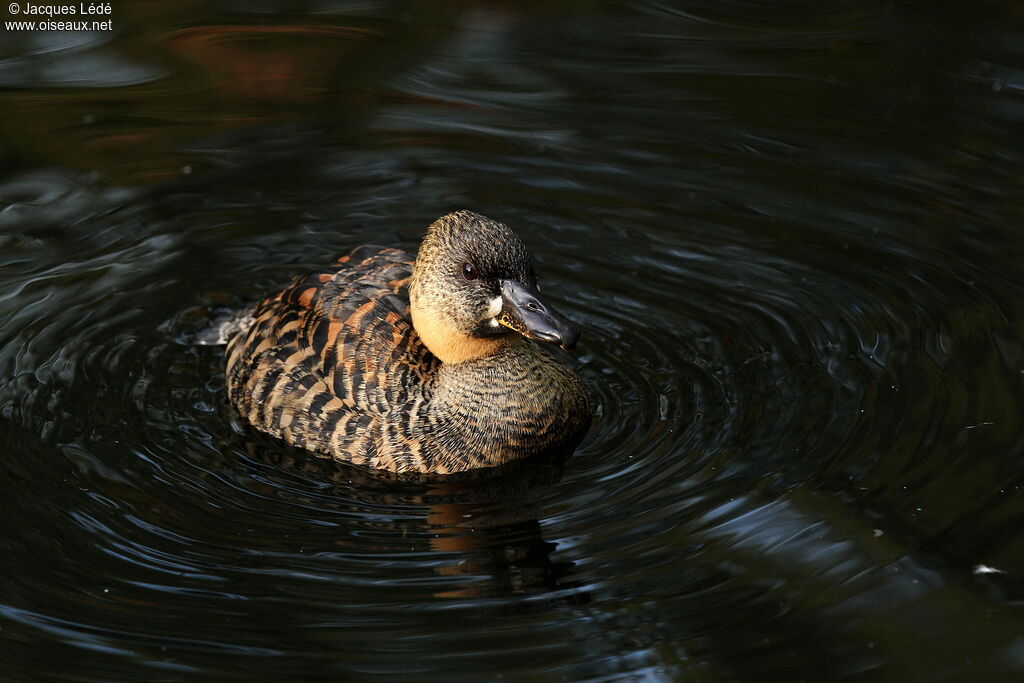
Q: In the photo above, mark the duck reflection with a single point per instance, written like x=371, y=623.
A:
x=478, y=531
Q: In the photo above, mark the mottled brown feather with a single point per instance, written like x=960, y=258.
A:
x=332, y=364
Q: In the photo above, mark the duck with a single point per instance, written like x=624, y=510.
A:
x=424, y=364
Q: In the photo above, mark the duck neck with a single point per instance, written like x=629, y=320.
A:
x=451, y=346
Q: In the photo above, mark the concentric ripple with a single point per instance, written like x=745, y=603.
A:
x=802, y=337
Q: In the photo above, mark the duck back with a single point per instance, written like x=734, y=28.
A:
x=328, y=358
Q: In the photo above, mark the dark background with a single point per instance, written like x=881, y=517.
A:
x=790, y=230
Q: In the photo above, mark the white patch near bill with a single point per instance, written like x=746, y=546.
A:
x=494, y=322
x=494, y=308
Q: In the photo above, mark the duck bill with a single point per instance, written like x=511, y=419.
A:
x=524, y=311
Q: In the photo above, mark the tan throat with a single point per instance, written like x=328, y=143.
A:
x=450, y=345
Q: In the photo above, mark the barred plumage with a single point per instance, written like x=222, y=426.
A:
x=333, y=363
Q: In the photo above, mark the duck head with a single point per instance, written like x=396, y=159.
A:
x=473, y=291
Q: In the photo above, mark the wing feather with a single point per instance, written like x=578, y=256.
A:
x=329, y=361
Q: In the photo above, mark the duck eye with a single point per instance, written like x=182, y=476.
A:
x=469, y=271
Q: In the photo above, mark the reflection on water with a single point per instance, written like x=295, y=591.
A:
x=790, y=233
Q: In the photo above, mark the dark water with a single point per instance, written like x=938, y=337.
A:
x=791, y=231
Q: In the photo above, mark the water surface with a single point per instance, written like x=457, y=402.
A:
x=790, y=232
